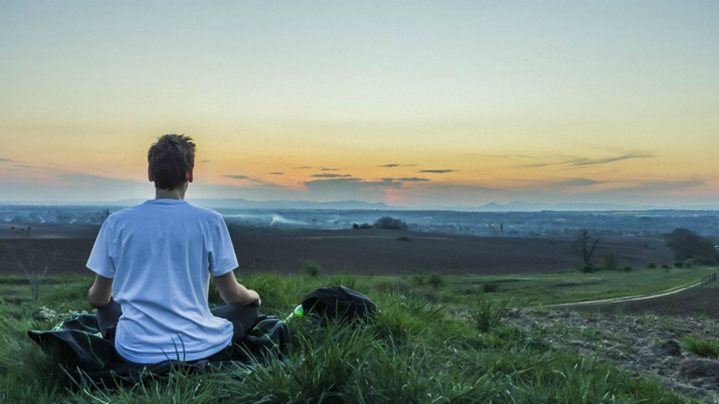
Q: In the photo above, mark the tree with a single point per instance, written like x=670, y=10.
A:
x=390, y=223
x=29, y=260
x=687, y=244
x=585, y=244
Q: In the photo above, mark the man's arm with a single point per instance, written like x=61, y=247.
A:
x=232, y=292
x=100, y=292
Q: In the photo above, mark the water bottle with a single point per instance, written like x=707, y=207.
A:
x=298, y=312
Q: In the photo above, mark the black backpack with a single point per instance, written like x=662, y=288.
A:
x=338, y=303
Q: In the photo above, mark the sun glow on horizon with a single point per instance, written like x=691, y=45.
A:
x=419, y=104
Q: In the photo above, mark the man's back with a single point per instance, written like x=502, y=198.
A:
x=159, y=254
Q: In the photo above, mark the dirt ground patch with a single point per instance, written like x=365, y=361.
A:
x=648, y=344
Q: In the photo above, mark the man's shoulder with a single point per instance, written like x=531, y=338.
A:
x=204, y=212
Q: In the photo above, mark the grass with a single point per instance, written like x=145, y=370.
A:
x=707, y=348
x=429, y=344
x=573, y=286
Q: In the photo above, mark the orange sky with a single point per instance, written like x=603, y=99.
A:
x=422, y=104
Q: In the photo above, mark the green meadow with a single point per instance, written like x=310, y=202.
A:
x=437, y=339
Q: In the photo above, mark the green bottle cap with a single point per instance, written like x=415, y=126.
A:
x=299, y=311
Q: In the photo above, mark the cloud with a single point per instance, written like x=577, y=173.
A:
x=253, y=180
x=238, y=177
x=303, y=167
x=205, y=161
x=329, y=169
x=440, y=171
x=393, y=165
x=329, y=175
x=25, y=166
x=572, y=183
x=277, y=173
x=407, y=179
x=628, y=156
x=585, y=161
x=6, y=160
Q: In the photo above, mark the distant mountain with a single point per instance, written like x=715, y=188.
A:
x=240, y=203
x=536, y=207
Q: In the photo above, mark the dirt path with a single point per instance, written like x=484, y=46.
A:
x=671, y=291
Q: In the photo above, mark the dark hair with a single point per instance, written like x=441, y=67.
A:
x=169, y=159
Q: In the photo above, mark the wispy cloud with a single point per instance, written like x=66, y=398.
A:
x=238, y=177
x=586, y=161
x=407, y=179
x=339, y=184
x=253, y=180
x=205, y=161
x=329, y=169
x=438, y=171
x=571, y=183
x=6, y=160
x=331, y=175
x=607, y=160
x=394, y=165
x=277, y=173
x=303, y=167
x=24, y=166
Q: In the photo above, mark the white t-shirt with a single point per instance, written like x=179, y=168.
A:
x=160, y=255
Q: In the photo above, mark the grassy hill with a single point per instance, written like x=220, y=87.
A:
x=436, y=340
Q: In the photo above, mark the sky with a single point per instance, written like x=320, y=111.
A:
x=452, y=104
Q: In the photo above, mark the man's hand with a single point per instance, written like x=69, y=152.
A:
x=232, y=292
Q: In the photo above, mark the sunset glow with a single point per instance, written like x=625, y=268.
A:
x=418, y=104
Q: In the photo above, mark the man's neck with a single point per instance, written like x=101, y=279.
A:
x=175, y=193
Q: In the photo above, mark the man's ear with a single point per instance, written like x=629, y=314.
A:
x=149, y=175
x=188, y=175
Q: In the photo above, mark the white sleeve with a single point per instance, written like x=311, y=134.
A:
x=222, y=254
x=101, y=261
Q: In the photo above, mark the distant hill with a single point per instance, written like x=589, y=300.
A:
x=240, y=203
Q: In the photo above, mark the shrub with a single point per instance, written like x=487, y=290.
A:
x=588, y=268
x=702, y=262
x=651, y=265
x=390, y=223
x=679, y=264
x=418, y=280
x=627, y=269
x=610, y=261
x=30, y=260
x=707, y=348
x=487, y=314
x=490, y=287
x=311, y=268
x=404, y=238
x=435, y=281
x=362, y=226
x=665, y=266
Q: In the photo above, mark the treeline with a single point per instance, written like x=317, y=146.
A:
x=688, y=245
x=385, y=223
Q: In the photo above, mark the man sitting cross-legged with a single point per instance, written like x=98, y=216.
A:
x=153, y=264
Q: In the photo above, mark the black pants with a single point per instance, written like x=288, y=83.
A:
x=242, y=317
